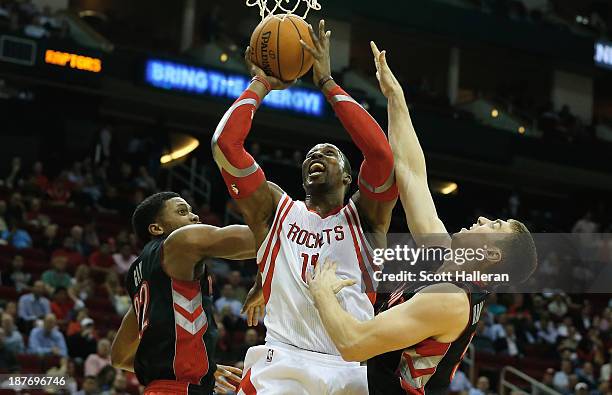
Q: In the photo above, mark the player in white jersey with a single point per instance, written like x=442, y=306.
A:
x=292, y=236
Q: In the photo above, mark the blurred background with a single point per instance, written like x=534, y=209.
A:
x=103, y=102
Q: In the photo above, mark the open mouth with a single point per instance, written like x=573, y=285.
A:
x=316, y=169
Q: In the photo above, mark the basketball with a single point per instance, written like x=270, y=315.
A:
x=276, y=48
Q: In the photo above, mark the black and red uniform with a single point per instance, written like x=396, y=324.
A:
x=177, y=331
x=429, y=366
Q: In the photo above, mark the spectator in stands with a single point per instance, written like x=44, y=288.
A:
x=235, y=280
x=59, y=191
x=8, y=361
x=63, y=305
x=482, y=387
x=48, y=340
x=116, y=293
x=68, y=250
x=50, y=240
x=16, y=208
x=74, y=326
x=97, y=361
x=34, y=305
x=144, y=181
x=497, y=330
x=605, y=373
x=15, y=176
x=124, y=258
x=3, y=223
x=119, y=385
x=76, y=233
x=251, y=338
x=83, y=343
x=110, y=202
x=11, y=309
x=481, y=341
x=586, y=375
x=101, y=260
x=90, y=238
x=13, y=340
x=56, y=277
x=509, y=344
x=585, y=224
x=460, y=383
x=89, y=386
x=546, y=330
x=82, y=285
x=37, y=178
x=65, y=369
x=547, y=378
x=16, y=236
x=91, y=189
x=227, y=300
x=561, y=377
x=16, y=277
x=106, y=378
x=34, y=216
x=581, y=389
x=558, y=306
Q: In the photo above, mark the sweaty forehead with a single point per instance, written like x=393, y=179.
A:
x=324, y=146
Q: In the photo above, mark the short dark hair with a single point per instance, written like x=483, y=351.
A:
x=519, y=258
x=147, y=212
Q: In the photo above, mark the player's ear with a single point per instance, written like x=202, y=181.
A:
x=347, y=179
x=156, y=229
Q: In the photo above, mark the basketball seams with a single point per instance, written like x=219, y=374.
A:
x=300, y=37
x=280, y=72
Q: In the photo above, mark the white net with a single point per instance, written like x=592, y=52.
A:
x=284, y=7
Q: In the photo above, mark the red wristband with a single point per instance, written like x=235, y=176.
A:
x=263, y=81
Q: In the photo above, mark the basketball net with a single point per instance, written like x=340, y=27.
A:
x=282, y=7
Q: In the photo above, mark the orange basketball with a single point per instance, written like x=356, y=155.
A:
x=276, y=48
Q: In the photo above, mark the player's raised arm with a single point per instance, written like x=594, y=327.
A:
x=410, y=169
x=439, y=311
x=377, y=190
x=244, y=179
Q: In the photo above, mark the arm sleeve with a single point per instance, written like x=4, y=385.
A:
x=376, y=176
x=242, y=175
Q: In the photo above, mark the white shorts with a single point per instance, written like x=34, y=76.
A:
x=282, y=369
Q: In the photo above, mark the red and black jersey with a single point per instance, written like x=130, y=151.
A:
x=429, y=366
x=177, y=331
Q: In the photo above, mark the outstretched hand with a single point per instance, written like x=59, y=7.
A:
x=255, y=70
x=388, y=83
x=324, y=279
x=255, y=305
x=227, y=379
x=320, y=52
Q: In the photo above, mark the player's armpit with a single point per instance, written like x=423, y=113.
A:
x=126, y=341
x=187, y=246
x=440, y=312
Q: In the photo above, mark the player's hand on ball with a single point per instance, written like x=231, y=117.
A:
x=324, y=279
x=320, y=52
x=255, y=70
x=227, y=379
x=389, y=85
x=254, y=305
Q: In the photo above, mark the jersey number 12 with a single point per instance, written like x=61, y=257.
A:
x=141, y=307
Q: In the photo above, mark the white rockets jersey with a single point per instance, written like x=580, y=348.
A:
x=297, y=241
